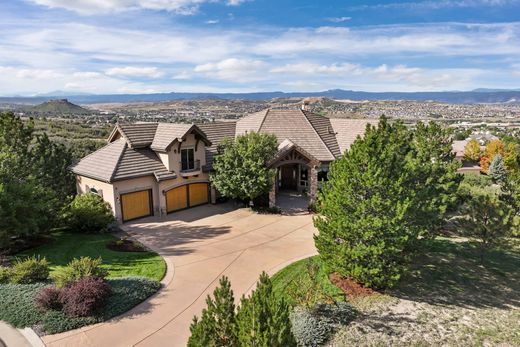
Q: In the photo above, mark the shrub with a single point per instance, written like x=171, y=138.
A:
x=5, y=272
x=79, y=268
x=313, y=327
x=30, y=270
x=88, y=213
x=85, y=297
x=18, y=306
x=48, y=298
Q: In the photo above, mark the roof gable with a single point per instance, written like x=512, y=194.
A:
x=138, y=135
x=347, y=130
x=252, y=122
x=294, y=125
x=102, y=163
x=168, y=133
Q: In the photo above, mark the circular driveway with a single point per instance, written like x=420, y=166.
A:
x=200, y=245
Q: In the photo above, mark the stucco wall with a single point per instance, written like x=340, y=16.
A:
x=174, y=156
x=134, y=185
x=164, y=186
x=106, y=190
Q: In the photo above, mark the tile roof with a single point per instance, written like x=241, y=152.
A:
x=117, y=161
x=102, y=163
x=137, y=163
x=294, y=125
x=251, y=122
x=138, y=135
x=324, y=129
x=216, y=132
x=347, y=130
x=167, y=133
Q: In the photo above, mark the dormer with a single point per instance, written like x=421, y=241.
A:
x=181, y=148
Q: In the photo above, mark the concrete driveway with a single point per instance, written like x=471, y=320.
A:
x=200, y=245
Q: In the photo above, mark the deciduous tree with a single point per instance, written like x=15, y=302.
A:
x=472, y=151
x=240, y=167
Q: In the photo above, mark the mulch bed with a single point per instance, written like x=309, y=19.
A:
x=350, y=287
x=126, y=245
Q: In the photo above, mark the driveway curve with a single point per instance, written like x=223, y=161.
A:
x=200, y=245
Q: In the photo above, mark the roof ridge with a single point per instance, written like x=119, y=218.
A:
x=316, y=132
x=263, y=119
x=117, y=163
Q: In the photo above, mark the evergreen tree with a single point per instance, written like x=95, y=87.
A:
x=486, y=218
x=240, y=168
x=263, y=319
x=497, y=171
x=51, y=162
x=216, y=328
x=391, y=187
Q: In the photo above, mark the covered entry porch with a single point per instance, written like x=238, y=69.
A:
x=296, y=175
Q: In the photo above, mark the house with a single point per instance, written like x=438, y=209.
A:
x=159, y=168
x=466, y=166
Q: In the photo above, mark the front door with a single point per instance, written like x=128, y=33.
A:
x=288, y=177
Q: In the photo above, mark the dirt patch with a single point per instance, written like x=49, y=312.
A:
x=125, y=245
x=350, y=287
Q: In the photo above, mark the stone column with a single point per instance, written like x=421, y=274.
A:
x=272, y=192
x=313, y=183
x=213, y=195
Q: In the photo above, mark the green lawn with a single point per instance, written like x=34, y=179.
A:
x=66, y=246
x=306, y=277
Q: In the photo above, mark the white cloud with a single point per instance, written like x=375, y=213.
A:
x=232, y=69
x=212, y=21
x=314, y=68
x=435, y=5
x=89, y=7
x=339, y=19
x=133, y=71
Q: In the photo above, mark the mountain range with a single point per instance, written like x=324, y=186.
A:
x=456, y=97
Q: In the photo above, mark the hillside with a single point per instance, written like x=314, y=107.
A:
x=57, y=107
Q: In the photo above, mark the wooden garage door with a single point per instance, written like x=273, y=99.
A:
x=198, y=194
x=177, y=198
x=136, y=205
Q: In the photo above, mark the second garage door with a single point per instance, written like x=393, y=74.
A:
x=186, y=196
x=177, y=198
x=198, y=194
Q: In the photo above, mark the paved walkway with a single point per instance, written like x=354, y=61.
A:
x=200, y=245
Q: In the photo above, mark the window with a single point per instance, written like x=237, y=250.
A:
x=187, y=159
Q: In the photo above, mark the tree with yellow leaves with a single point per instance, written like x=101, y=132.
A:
x=472, y=151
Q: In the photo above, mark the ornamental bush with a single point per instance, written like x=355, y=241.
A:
x=48, y=298
x=84, y=297
x=313, y=326
x=79, y=268
x=88, y=213
x=30, y=270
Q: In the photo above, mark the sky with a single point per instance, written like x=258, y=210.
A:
x=154, y=46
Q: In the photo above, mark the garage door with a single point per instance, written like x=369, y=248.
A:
x=198, y=193
x=177, y=198
x=136, y=205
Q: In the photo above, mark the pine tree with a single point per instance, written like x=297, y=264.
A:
x=263, y=319
x=216, y=328
x=497, y=171
x=391, y=187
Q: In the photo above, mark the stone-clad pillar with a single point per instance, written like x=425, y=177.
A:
x=272, y=192
x=313, y=183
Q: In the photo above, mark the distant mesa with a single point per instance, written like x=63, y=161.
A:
x=58, y=106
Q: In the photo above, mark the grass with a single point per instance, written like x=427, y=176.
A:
x=447, y=299
x=17, y=305
x=305, y=278
x=66, y=246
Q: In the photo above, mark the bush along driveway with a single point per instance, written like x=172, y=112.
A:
x=203, y=244
x=29, y=297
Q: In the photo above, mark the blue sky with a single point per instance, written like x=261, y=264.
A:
x=145, y=46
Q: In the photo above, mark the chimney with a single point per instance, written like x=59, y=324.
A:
x=305, y=105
